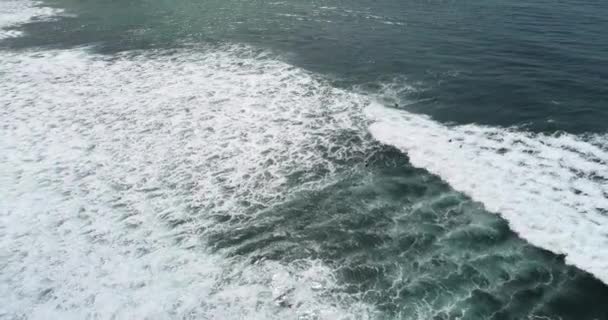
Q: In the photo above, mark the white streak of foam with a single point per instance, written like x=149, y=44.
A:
x=15, y=12
x=552, y=189
x=112, y=168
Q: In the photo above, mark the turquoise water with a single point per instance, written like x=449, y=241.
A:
x=303, y=160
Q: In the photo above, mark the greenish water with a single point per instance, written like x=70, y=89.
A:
x=303, y=159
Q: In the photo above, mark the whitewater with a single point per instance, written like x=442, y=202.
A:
x=107, y=161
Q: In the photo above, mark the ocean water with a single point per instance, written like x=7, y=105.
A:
x=412, y=159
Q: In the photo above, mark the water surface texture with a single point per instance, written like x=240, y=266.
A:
x=303, y=159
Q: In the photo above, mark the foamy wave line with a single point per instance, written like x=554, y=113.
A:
x=15, y=12
x=110, y=169
x=553, y=189
x=113, y=170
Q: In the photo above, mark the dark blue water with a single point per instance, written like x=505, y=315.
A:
x=541, y=64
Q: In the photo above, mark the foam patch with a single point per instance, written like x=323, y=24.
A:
x=15, y=12
x=113, y=169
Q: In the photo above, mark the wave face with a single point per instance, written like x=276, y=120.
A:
x=552, y=189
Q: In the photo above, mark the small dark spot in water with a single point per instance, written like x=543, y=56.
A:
x=502, y=150
x=282, y=299
x=45, y=294
x=140, y=252
x=560, y=257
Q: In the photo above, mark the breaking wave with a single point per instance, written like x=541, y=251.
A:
x=552, y=189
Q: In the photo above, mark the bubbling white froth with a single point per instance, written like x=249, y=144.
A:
x=112, y=168
x=15, y=12
x=552, y=189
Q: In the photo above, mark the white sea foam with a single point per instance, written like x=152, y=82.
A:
x=553, y=189
x=14, y=12
x=112, y=168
